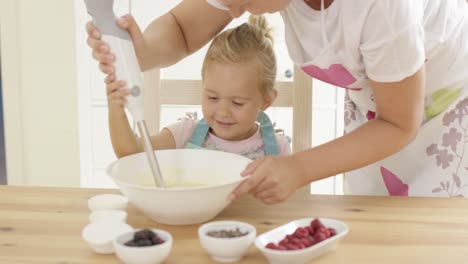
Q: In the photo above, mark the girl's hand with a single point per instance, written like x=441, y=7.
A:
x=115, y=95
x=101, y=51
x=272, y=179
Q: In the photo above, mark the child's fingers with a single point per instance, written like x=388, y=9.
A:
x=117, y=95
x=118, y=98
x=113, y=86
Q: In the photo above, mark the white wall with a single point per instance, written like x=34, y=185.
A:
x=40, y=92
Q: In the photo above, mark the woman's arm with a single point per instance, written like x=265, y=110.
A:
x=400, y=108
x=168, y=39
x=182, y=31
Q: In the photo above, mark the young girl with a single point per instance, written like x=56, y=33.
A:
x=402, y=62
x=238, y=76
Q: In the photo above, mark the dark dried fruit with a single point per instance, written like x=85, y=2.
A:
x=144, y=243
x=144, y=238
x=131, y=243
x=157, y=240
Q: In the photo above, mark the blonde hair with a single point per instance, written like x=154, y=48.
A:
x=251, y=41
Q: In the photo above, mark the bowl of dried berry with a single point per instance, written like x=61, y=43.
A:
x=302, y=240
x=226, y=241
x=143, y=246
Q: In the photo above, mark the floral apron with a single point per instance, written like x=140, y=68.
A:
x=435, y=163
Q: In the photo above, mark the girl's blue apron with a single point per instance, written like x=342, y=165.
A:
x=266, y=129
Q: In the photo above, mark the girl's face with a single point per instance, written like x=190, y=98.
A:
x=256, y=7
x=232, y=100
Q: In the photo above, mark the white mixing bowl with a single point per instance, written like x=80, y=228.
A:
x=198, y=182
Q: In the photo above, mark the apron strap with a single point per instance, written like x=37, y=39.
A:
x=268, y=134
x=198, y=135
x=266, y=129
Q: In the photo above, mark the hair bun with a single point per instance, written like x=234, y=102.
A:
x=261, y=22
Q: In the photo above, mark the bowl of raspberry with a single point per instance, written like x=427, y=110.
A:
x=302, y=240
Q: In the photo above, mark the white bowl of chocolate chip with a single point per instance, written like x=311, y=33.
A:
x=226, y=241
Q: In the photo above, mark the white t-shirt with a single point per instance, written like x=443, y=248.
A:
x=382, y=40
x=252, y=148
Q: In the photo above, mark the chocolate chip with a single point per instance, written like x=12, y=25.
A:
x=226, y=233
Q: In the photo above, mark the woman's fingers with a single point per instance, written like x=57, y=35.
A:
x=251, y=167
x=92, y=31
x=109, y=78
x=100, y=50
x=107, y=58
x=256, y=177
x=269, y=185
x=106, y=68
x=244, y=187
x=128, y=23
x=269, y=196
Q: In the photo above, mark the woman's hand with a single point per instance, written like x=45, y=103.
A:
x=272, y=179
x=101, y=51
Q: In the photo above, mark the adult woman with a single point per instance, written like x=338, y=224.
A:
x=406, y=130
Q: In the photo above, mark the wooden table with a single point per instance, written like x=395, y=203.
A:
x=43, y=225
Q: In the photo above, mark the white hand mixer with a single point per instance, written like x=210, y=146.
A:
x=127, y=69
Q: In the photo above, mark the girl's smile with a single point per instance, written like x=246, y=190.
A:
x=232, y=100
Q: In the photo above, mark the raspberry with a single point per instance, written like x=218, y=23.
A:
x=281, y=248
x=284, y=242
x=301, y=232
x=306, y=241
x=312, y=240
x=319, y=237
x=316, y=223
x=323, y=230
x=291, y=247
x=295, y=241
x=271, y=246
